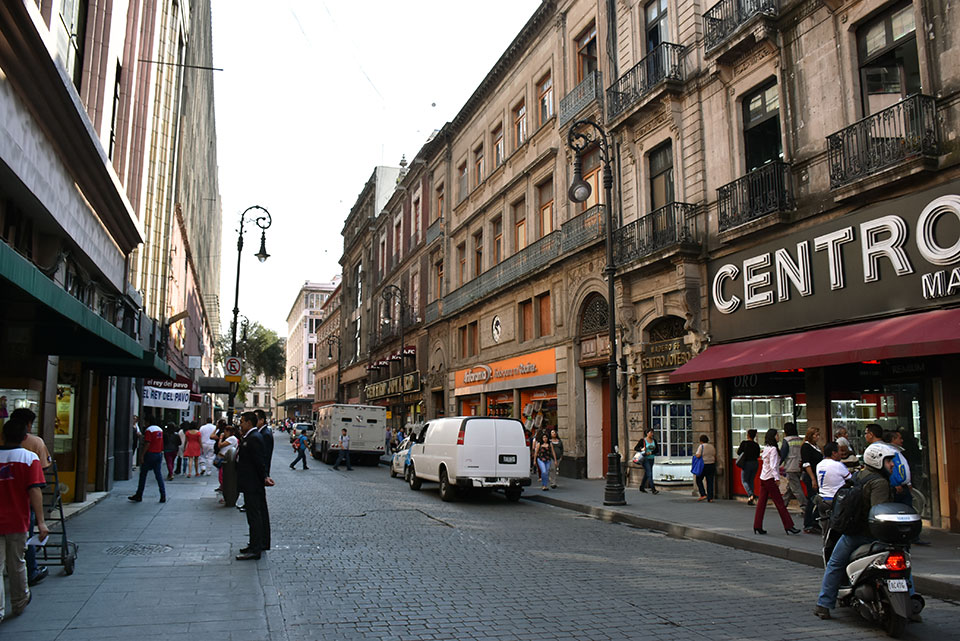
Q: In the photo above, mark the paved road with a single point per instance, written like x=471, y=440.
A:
x=358, y=555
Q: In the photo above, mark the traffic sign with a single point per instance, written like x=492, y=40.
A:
x=232, y=368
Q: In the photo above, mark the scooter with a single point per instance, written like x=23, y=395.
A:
x=878, y=573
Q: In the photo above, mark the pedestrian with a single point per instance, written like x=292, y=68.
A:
x=344, y=450
x=769, y=486
x=136, y=435
x=267, y=435
x=207, y=443
x=21, y=483
x=790, y=464
x=35, y=444
x=171, y=445
x=873, y=433
x=152, y=461
x=847, y=455
x=388, y=441
x=901, y=490
x=648, y=448
x=300, y=447
x=192, y=450
x=748, y=457
x=832, y=474
x=557, y=446
x=228, y=468
x=252, y=480
x=546, y=458
x=708, y=453
x=810, y=457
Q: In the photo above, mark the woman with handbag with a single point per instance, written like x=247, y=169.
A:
x=228, y=466
x=769, y=486
x=748, y=460
x=810, y=457
x=545, y=457
x=647, y=451
x=707, y=453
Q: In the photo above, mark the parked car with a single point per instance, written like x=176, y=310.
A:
x=295, y=430
x=470, y=452
x=401, y=458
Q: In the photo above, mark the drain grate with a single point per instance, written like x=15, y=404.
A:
x=137, y=549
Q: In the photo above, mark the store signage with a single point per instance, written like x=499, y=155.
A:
x=519, y=367
x=901, y=254
x=391, y=386
x=173, y=398
x=659, y=356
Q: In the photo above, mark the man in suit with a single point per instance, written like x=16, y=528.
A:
x=267, y=434
x=252, y=480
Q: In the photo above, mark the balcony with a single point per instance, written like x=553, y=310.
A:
x=583, y=229
x=432, y=312
x=434, y=231
x=898, y=134
x=763, y=191
x=663, y=64
x=581, y=96
x=672, y=228
x=725, y=19
x=508, y=271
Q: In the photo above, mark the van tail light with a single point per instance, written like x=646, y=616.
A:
x=463, y=428
x=896, y=562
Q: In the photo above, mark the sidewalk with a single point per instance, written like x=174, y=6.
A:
x=730, y=523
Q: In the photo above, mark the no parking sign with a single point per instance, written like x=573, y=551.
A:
x=232, y=369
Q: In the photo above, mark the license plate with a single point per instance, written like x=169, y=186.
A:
x=897, y=585
x=508, y=458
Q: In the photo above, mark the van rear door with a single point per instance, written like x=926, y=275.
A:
x=513, y=455
x=478, y=452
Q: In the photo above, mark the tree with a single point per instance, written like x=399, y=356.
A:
x=261, y=349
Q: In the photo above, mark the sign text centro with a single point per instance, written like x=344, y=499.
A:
x=899, y=254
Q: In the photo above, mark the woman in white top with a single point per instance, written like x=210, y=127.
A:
x=769, y=479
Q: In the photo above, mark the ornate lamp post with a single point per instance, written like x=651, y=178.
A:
x=263, y=221
x=391, y=293
x=582, y=134
x=296, y=390
x=332, y=340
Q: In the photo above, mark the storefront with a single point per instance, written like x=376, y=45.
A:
x=895, y=268
x=523, y=387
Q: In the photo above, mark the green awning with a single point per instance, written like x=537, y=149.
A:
x=150, y=366
x=60, y=323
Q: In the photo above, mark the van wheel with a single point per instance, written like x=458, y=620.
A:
x=412, y=479
x=447, y=491
x=393, y=474
x=512, y=494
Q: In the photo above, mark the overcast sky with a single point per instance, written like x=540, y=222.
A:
x=315, y=93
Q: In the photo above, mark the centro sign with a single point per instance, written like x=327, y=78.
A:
x=897, y=255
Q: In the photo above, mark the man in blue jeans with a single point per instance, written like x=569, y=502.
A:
x=152, y=460
x=878, y=461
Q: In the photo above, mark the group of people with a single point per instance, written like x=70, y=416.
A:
x=546, y=451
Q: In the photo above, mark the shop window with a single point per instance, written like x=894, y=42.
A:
x=761, y=126
x=587, y=61
x=889, y=66
x=498, y=150
x=461, y=264
x=519, y=124
x=672, y=422
x=759, y=413
x=526, y=320
x=545, y=198
x=519, y=225
x=545, y=99
x=661, y=176
x=655, y=17
x=544, y=327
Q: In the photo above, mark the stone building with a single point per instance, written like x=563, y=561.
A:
x=303, y=323
x=326, y=388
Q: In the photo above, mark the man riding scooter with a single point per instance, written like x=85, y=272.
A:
x=875, y=488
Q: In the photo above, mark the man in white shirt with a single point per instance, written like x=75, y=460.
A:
x=831, y=473
x=206, y=443
x=344, y=450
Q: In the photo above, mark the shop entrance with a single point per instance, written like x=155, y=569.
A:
x=597, y=399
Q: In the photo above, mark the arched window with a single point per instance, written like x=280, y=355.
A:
x=594, y=319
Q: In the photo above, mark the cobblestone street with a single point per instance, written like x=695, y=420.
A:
x=358, y=555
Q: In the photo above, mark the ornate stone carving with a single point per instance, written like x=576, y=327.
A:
x=754, y=56
x=651, y=123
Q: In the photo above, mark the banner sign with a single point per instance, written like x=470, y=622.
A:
x=172, y=398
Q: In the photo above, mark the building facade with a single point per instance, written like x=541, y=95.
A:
x=303, y=322
x=260, y=395
x=327, y=370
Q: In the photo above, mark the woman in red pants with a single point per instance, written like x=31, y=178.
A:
x=769, y=486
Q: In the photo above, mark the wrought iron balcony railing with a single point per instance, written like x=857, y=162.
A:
x=665, y=62
x=582, y=229
x=432, y=312
x=589, y=89
x=676, y=225
x=725, y=17
x=434, y=231
x=763, y=191
x=900, y=132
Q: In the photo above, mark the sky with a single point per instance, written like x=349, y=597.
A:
x=313, y=94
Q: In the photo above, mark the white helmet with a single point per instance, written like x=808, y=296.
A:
x=875, y=453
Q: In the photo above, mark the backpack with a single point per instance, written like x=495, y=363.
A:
x=898, y=476
x=847, y=504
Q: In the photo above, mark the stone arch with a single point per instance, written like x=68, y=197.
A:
x=589, y=287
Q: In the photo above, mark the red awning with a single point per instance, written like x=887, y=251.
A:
x=912, y=336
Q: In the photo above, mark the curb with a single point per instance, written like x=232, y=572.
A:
x=70, y=512
x=926, y=585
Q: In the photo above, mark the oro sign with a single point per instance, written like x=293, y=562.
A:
x=232, y=369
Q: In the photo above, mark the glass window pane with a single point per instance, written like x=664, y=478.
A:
x=772, y=98
x=902, y=22
x=876, y=38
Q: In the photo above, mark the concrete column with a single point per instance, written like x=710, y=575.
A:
x=818, y=401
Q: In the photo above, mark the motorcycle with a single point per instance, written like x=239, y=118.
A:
x=878, y=573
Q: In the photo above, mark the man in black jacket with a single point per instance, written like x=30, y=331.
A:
x=252, y=480
x=267, y=435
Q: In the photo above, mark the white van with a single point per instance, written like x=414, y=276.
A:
x=366, y=426
x=471, y=451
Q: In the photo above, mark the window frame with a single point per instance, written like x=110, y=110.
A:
x=478, y=165
x=519, y=123
x=545, y=99
x=582, y=42
x=499, y=151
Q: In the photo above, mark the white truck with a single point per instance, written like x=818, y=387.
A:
x=365, y=424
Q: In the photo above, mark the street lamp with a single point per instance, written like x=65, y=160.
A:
x=296, y=390
x=582, y=134
x=332, y=340
x=391, y=293
x=263, y=221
